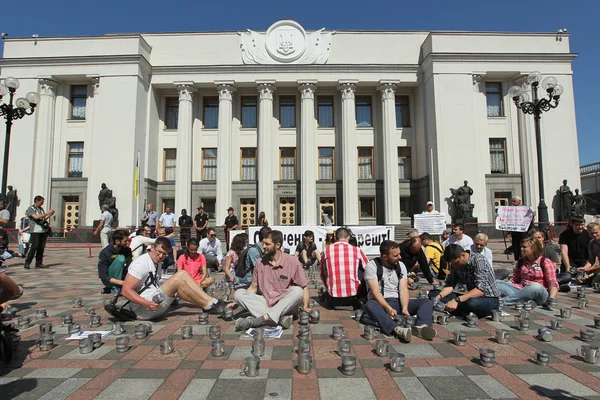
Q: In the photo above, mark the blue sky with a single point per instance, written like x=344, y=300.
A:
x=68, y=17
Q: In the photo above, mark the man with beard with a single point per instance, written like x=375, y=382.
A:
x=574, y=241
x=113, y=261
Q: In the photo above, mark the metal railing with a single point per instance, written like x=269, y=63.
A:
x=589, y=168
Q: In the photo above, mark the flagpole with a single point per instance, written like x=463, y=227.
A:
x=136, y=195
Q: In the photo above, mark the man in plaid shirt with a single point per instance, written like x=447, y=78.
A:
x=342, y=267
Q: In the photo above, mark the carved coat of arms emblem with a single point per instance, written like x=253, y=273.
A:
x=285, y=41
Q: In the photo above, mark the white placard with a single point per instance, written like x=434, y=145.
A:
x=369, y=237
x=512, y=218
x=233, y=234
x=433, y=224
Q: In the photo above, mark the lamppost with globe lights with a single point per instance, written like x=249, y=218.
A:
x=22, y=106
x=536, y=107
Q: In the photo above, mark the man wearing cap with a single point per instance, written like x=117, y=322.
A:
x=200, y=223
x=430, y=208
x=231, y=223
x=185, y=224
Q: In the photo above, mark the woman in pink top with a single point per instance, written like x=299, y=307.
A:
x=231, y=258
x=534, y=276
x=194, y=264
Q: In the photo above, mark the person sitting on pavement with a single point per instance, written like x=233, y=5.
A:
x=329, y=239
x=238, y=244
x=445, y=235
x=574, y=241
x=5, y=253
x=459, y=237
x=434, y=253
x=113, y=262
x=142, y=287
x=210, y=246
x=194, y=264
x=341, y=269
x=170, y=260
x=279, y=287
x=592, y=266
x=479, y=245
x=140, y=242
x=253, y=254
x=477, y=274
x=549, y=251
x=306, y=251
x=386, y=277
x=413, y=257
x=534, y=277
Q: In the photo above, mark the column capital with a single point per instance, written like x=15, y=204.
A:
x=225, y=90
x=347, y=88
x=387, y=89
x=185, y=89
x=95, y=80
x=307, y=89
x=477, y=79
x=48, y=87
x=266, y=89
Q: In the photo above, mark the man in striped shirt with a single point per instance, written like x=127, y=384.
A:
x=342, y=267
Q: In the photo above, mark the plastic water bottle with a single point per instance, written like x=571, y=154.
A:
x=159, y=298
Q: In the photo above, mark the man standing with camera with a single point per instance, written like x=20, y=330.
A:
x=38, y=221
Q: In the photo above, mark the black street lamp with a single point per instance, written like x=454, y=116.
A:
x=22, y=107
x=536, y=107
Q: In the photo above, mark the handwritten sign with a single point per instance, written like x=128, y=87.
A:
x=433, y=224
x=516, y=219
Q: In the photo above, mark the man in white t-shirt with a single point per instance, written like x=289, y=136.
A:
x=141, y=241
x=390, y=297
x=458, y=237
x=142, y=288
x=104, y=226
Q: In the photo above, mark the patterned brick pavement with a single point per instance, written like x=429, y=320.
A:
x=436, y=369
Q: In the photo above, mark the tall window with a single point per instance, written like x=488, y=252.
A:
x=405, y=209
x=78, y=101
x=326, y=163
x=249, y=164
x=210, y=112
x=493, y=97
x=365, y=163
x=249, y=112
x=75, y=160
x=325, y=111
x=170, y=164
x=364, y=115
x=288, y=163
x=498, y=156
x=287, y=111
x=171, y=112
x=209, y=206
x=367, y=207
x=209, y=164
x=404, y=171
x=402, y=112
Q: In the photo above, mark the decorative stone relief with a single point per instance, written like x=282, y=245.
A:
x=307, y=90
x=185, y=92
x=388, y=91
x=48, y=87
x=226, y=92
x=347, y=90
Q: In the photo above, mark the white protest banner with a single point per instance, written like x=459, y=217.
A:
x=368, y=237
x=433, y=224
x=516, y=219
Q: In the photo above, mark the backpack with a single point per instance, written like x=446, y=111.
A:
x=380, y=273
x=240, y=268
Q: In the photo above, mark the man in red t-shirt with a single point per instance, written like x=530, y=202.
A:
x=341, y=268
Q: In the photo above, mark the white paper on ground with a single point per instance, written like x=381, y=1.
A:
x=271, y=333
x=84, y=334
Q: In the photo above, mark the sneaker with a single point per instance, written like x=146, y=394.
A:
x=217, y=308
x=424, y=332
x=115, y=291
x=243, y=324
x=41, y=266
x=286, y=321
x=26, y=266
x=403, y=333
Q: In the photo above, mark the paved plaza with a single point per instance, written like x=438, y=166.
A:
x=437, y=369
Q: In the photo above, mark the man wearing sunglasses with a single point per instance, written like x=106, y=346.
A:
x=148, y=299
x=210, y=246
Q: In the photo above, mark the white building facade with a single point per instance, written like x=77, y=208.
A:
x=286, y=121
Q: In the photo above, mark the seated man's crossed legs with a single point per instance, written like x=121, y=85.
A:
x=480, y=306
x=281, y=313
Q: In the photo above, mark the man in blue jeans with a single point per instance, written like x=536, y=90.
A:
x=477, y=274
x=389, y=297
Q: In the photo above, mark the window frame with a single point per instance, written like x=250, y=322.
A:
x=503, y=151
x=205, y=106
x=288, y=97
x=370, y=157
x=167, y=107
x=398, y=104
x=165, y=150
x=326, y=157
x=78, y=96
x=409, y=158
x=500, y=97
x=71, y=153
x=203, y=203
x=319, y=98
x=356, y=105
x=242, y=158
x=242, y=106
x=281, y=149
x=360, y=207
x=204, y=158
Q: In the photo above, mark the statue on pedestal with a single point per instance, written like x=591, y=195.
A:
x=12, y=202
x=461, y=198
x=566, y=201
x=103, y=195
x=111, y=202
x=578, y=203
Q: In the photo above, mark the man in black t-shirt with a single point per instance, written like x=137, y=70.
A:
x=306, y=251
x=200, y=223
x=231, y=223
x=573, y=243
x=185, y=225
x=413, y=257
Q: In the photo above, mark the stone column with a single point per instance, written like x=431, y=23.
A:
x=44, y=139
x=308, y=151
x=527, y=152
x=349, y=154
x=267, y=156
x=224, y=159
x=391, y=187
x=183, y=181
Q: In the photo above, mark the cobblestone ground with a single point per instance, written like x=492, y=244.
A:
x=436, y=369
